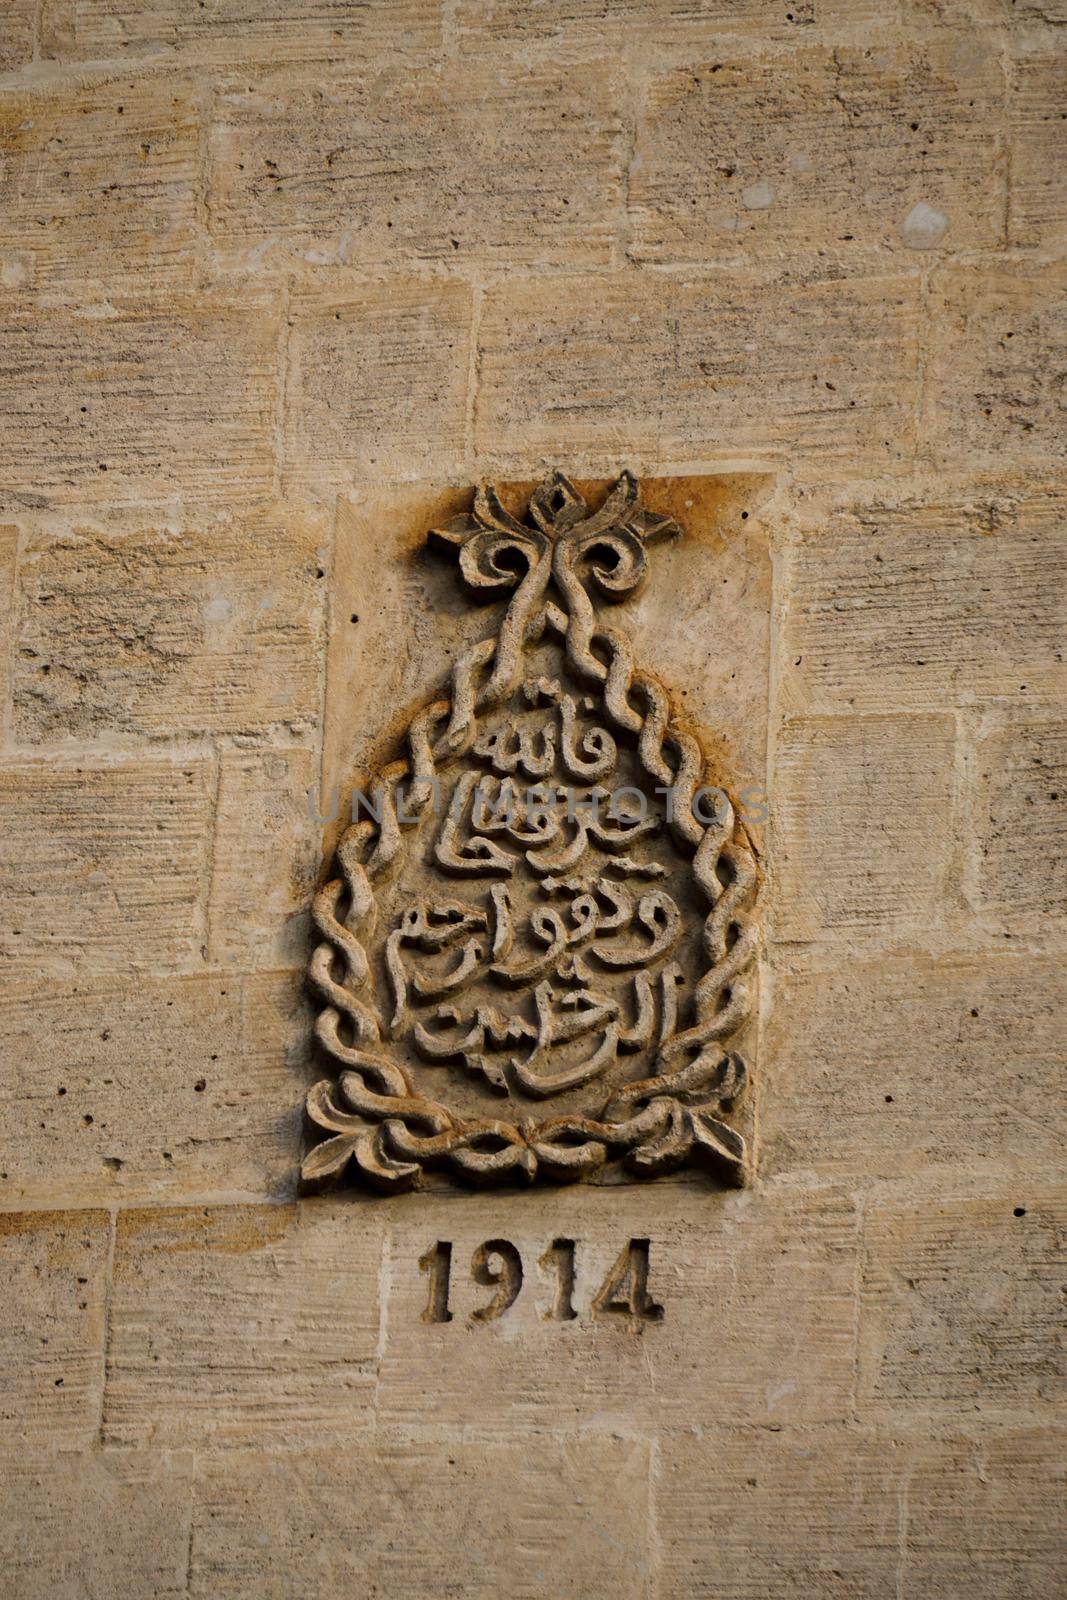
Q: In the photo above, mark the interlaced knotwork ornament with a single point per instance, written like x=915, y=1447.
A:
x=539, y=941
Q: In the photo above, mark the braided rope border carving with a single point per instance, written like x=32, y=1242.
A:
x=378, y=1126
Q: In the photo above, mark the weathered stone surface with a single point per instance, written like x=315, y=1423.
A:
x=9, y=545
x=181, y=628
x=16, y=40
x=872, y=1068
x=112, y=1523
x=266, y=858
x=138, y=399
x=242, y=1324
x=53, y=1268
x=98, y=185
x=103, y=864
x=993, y=379
x=167, y=1088
x=377, y=383
x=721, y=1266
x=677, y=369
x=961, y=1304
x=909, y=601
x=270, y=29
x=441, y=1519
x=1038, y=213
x=984, y=1517
x=823, y=149
x=863, y=827
x=501, y=167
x=778, y=1515
x=653, y=28
x=1019, y=862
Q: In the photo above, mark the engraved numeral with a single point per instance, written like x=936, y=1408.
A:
x=625, y=1289
x=438, y=1263
x=508, y=1276
x=560, y=1257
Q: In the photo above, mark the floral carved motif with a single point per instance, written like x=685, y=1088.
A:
x=539, y=944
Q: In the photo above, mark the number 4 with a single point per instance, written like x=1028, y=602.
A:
x=625, y=1289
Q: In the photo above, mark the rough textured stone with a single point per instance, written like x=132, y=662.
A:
x=871, y=1068
x=720, y=1266
x=99, y=185
x=993, y=379
x=984, y=1517
x=173, y=629
x=441, y=1519
x=1038, y=214
x=9, y=544
x=270, y=29
x=181, y=1087
x=53, y=1271
x=497, y=167
x=863, y=817
x=757, y=1513
x=102, y=863
x=267, y=850
x=961, y=1305
x=674, y=369
x=1019, y=867
x=927, y=599
x=650, y=28
x=238, y=1324
x=137, y=399
x=857, y=140
x=377, y=383
x=114, y=1523
x=16, y=40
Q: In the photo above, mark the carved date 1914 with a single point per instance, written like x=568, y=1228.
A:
x=496, y=1264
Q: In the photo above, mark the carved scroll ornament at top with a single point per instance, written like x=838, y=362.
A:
x=539, y=909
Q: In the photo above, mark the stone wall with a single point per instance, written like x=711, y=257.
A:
x=271, y=276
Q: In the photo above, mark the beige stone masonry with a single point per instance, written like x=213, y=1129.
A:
x=239, y=1324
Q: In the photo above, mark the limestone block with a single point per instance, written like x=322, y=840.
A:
x=377, y=382
x=566, y=1518
x=98, y=184
x=904, y=602
x=863, y=814
x=961, y=1304
x=1019, y=870
x=271, y=30
x=112, y=1523
x=724, y=368
x=654, y=29
x=984, y=1517
x=505, y=166
x=16, y=38
x=871, y=1068
x=242, y=1325
x=1038, y=214
x=206, y=626
x=721, y=1266
x=138, y=399
x=844, y=150
x=103, y=863
x=267, y=852
x=53, y=1273
x=993, y=383
x=166, y=1088
x=778, y=1515
x=9, y=544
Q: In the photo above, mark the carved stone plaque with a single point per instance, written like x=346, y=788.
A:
x=539, y=940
